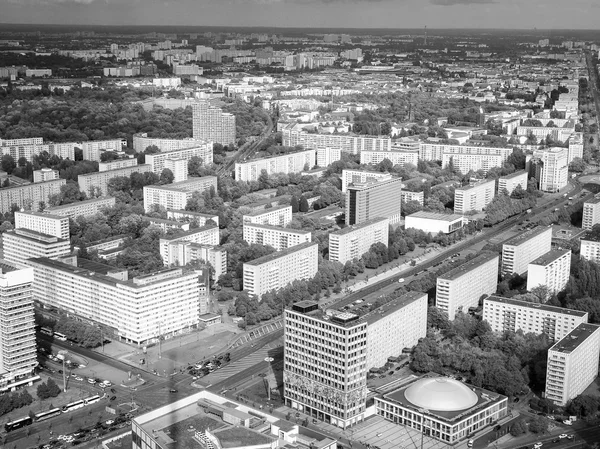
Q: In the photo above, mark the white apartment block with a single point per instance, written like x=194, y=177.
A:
x=45, y=174
x=206, y=235
x=575, y=146
x=22, y=244
x=348, y=143
x=352, y=242
x=573, y=364
x=461, y=288
x=591, y=213
x=18, y=354
x=434, y=222
x=176, y=195
x=181, y=253
x=361, y=176
x=64, y=150
x=85, y=208
x=475, y=197
x=541, y=132
x=327, y=156
x=407, y=196
x=551, y=269
x=512, y=181
x=286, y=163
x=277, y=270
x=92, y=151
x=276, y=216
x=117, y=164
x=44, y=223
x=212, y=124
x=524, y=248
x=395, y=157
x=590, y=249
x=138, y=309
x=275, y=236
x=18, y=142
x=142, y=141
x=555, y=171
x=29, y=196
x=99, y=180
x=466, y=162
x=512, y=315
x=158, y=161
x=179, y=168
x=191, y=217
x=434, y=151
x=373, y=200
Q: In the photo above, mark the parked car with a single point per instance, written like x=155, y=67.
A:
x=173, y=390
x=91, y=381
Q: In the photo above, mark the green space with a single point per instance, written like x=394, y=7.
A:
x=241, y=436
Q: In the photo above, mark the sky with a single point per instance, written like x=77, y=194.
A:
x=507, y=14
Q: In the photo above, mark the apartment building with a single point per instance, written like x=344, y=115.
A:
x=462, y=287
x=554, y=171
x=575, y=147
x=142, y=141
x=92, y=151
x=522, y=249
x=434, y=222
x=286, y=163
x=179, y=168
x=212, y=124
x=348, y=143
x=85, y=208
x=551, y=270
x=542, y=132
x=474, y=197
x=176, y=195
x=44, y=223
x=332, y=351
x=396, y=157
x=591, y=213
x=45, y=174
x=117, y=164
x=20, y=245
x=275, y=236
x=572, y=364
x=277, y=270
x=206, y=235
x=327, y=156
x=18, y=354
x=181, y=252
x=276, y=216
x=158, y=161
x=29, y=196
x=512, y=181
x=64, y=150
x=191, y=217
x=512, y=315
x=362, y=176
x=590, y=248
x=99, y=180
x=139, y=310
x=24, y=141
x=373, y=200
x=406, y=196
x=353, y=241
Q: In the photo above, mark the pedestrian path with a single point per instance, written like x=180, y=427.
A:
x=257, y=333
x=237, y=366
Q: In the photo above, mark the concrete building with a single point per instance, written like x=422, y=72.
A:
x=572, y=364
x=182, y=252
x=277, y=270
x=435, y=151
x=520, y=250
x=98, y=181
x=591, y=213
x=191, y=217
x=330, y=383
x=373, y=200
x=275, y=236
x=407, y=196
x=362, y=176
x=327, y=156
x=554, y=171
x=434, y=222
x=286, y=163
x=551, y=270
x=461, y=288
x=22, y=244
x=44, y=223
x=142, y=141
x=212, y=124
x=512, y=315
x=18, y=355
x=92, y=151
x=85, y=208
x=158, y=161
x=176, y=195
x=45, y=174
x=590, y=248
x=139, y=310
x=276, y=216
x=348, y=143
x=117, y=164
x=352, y=242
x=474, y=197
x=65, y=150
x=179, y=168
x=206, y=235
x=575, y=146
x=510, y=182
x=396, y=157
x=29, y=196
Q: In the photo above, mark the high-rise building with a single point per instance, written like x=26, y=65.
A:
x=206, y=235
x=362, y=176
x=85, y=208
x=176, y=195
x=212, y=124
x=591, y=213
x=573, y=364
x=329, y=353
x=181, y=252
x=92, y=150
x=18, y=355
x=29, y=196
x=554, y=171
x=117, y=164
x=512, y=181
x=575, y=146
x=286, y=163
x=158, y=161
x=512, y=315
x=275, y=216
x=551, y=270
x=381, y=199
x=142, y=141
x=348, y=143
x=44, y=223
x=327, y=156
x=524, y=248
x=590, y=248
x=179, y=168
x=65, y=150
x=22, y=244
x=462, y=287
x=353, y=241
x=277, y=270
x=98, y=181
x=45, y=174
x=474, y=197
x=465, y=159
x=275, y=236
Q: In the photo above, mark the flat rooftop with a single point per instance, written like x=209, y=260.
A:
x=352, y=228
x=80, y=203
x=188, y=212
x=459, y=271
x=436, y=216
x=592, y=201
x=199, y=230
x=115, y=171
x=42, y=214
x=575, y=338
x=266, y=211
x=514, y=175
x=279, y=254
x=276, y=228
x=550, y=256
x=527, y=235
x=476, y=185
x=532, y=305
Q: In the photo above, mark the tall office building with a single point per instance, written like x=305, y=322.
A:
x=99, y=180
x=353, y=241
x=512, y=181
x=573, y=364
x=276, y=216
x=18, y=355
x=212, y=124
x=275, y=236
x=362, y=176
x=554, y=171
x=462, y=287
x=381, y=199
x=512, y=315
x=44, y=223
x=176, y=195
x=474, y=197
x=551, y=270
x=591, y=213
x=524, y=248
x=329, y=353
x=85, y=208
x=29, y=196
x=286, y=163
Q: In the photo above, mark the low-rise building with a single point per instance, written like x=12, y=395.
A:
x=396, y=157
x=187, y=216
x=407, y=196
x=434, y=222
x=45, y=174
x=275, y=236
x=520, y=250
x=92, y=150
x=353, y=241
x=551, y=270
x=160, y=161
x=117, y=164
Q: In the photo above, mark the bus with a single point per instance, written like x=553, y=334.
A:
x=47, y=331
x=47, y=415
x=59, y=336
x=18, y=423
x=73, y=406
x=91, y=400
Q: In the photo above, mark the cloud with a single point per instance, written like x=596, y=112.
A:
x=461, y=2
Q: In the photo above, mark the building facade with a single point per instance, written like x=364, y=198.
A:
x=362, y=176
x=206, y=235
x=85, y=208
x=22, y=244
x=142, y=141
x=275, y=236
x=175, y=196
x=474, y=197
x=287, y=163
x=590, y=249
x=117, y=164
x=45, y=174
x=591, y=213
x=92, y=151
x=554, y=172
x=29, y=196
x=352, y=242
x=524, y=248
x=434, y=222
x=98, y=181
x=551, y=269
x=158, y=161
x=191, y=217
x=512, y=181
x=44, y=223
x=396, y=157
x=181, y=252
x=276, y=216
x=381, y=199
x=212, y=124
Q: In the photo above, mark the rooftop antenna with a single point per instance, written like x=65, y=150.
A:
x=425, y=35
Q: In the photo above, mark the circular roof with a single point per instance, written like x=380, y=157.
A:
x=442, y=394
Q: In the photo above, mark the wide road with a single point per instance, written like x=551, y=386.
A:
x=594, y=85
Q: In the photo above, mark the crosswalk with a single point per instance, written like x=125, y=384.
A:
x=238, y=366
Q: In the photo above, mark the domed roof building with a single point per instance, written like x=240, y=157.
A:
x=442, y=407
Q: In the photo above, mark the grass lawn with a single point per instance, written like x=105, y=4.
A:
x=123, y=443
x=240, y=436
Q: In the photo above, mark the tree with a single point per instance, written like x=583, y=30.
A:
x=303, y=205
x=8, y=163
x=295, y=204
x=518, y=428
x=577, y=165
x=166, y=176
x=539, y=424
x=42, y=391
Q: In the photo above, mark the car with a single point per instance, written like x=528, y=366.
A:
x=470, y=443
x=76, y=377
x=517, y=399
x=567, y=422
x=91, y=381
x=112, y=398
x=570, y=437
x=401, y=280
x=563, y=435
x=173, y=390
x=538, y=445
x=112, y=390
x=109, y=422
x=107, y=383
